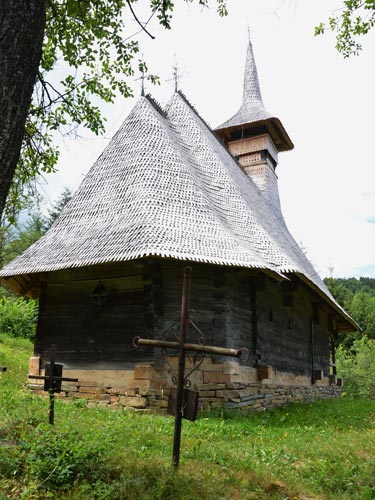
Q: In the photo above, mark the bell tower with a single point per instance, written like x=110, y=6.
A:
x=254, y=136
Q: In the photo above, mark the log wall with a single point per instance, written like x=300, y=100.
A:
x=92, y=314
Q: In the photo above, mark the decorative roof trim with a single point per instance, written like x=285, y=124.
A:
x=156, y=105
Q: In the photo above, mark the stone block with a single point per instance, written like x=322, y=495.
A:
x=236, y=385
x=211, y=400
x=215, y=378
x=266, y=390
x=34, y=386
x=161, y=403
x=90, y=396
x=142, y=372
x=67, y=388
x=231, y=405
x=162, y=393
x=34, y=383
x=232, y=368
x=217, y=404
x=92, y=390
x=244, y=404
x=209, y=387
x=147, y=392
x=134, y=402
x=249, y=391
x=227, y=394
x=207, y=394
x=34, y=365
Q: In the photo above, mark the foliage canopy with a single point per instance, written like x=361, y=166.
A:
x=354, y=20
x=357, y=297
x=94, y=47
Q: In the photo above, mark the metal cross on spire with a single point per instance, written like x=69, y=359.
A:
x=176, y=75
x=143, y=81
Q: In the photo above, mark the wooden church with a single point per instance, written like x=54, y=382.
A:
x=168, y=192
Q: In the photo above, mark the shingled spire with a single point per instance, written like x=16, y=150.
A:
x=252, y=108
x=251, y=88
x=252, y=113
x=255, y=136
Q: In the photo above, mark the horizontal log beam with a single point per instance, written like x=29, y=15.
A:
x=206, y=349
x=45, y=377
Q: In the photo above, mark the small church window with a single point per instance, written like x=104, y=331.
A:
x=99, y=294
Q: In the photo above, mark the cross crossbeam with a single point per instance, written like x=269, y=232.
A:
x=201, y=348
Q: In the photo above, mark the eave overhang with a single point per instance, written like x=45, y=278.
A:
x=344, y=322
x=272, y=126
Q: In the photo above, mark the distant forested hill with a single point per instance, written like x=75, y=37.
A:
x=357, y=297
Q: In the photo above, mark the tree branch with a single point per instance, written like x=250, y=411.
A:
x=138, y=21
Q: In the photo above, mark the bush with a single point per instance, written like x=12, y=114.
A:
x=18, y=317
x=357, y=367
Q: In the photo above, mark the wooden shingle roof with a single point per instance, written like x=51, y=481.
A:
x=165, y=186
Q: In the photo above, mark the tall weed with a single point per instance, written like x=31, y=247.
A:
x=357, y=367
x=18, y=317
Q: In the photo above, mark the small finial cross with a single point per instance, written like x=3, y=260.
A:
x=176, y=75
x=249, y=32
x=143, y=81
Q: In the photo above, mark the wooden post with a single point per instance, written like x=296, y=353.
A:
x=185, y=302
x=51, y=391
x=254, y=319
x=312, y=350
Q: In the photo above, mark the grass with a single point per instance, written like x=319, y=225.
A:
x=321, y=451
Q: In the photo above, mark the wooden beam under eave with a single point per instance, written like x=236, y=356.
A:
x=11, y=285
x=25, y=285
x=31, y=289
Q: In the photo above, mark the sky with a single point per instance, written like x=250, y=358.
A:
x=325, y=102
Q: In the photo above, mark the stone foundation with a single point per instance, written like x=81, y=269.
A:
x=224, y=384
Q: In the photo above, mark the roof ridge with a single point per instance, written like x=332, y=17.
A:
x=232, y=175
x=218, y=138
x=183, y=96
x=156, y=105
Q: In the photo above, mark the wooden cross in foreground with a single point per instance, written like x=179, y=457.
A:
x=183, y=347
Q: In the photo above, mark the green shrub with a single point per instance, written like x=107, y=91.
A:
x=18, y=317
x=357, y=367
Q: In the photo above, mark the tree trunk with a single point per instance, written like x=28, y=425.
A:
x=22, y=25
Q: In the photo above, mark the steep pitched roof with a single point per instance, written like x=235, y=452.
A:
x=252, y=111
x=165, y=186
